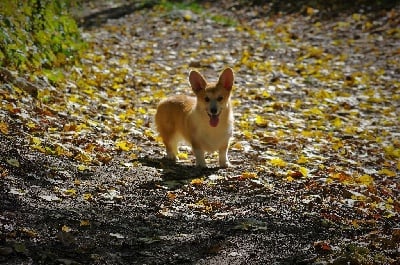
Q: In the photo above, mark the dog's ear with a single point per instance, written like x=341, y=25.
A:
x=197, y=81
x=226, y=78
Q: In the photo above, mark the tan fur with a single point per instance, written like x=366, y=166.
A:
x=204, y=121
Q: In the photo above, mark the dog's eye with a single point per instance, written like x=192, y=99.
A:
x=207, y=99
x=220, y=98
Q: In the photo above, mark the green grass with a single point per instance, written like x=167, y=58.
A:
x=199, y=9
x=186, y=5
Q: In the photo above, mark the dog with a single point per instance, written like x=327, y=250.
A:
x=204, y=121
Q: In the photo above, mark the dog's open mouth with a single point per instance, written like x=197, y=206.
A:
x=214, y=119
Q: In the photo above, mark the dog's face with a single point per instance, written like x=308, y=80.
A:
x=212, y=98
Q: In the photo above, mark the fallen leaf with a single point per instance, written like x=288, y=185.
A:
x=278, y=162
x=124, y=145
x=387, y=172
x=248, y=175
x=13, y=162
x=3, y=128
x=197, y=181
x=84, y=223
x=65, y=228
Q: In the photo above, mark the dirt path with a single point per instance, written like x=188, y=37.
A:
x=315, y=152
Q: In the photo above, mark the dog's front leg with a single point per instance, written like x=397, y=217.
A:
x=199, y=154
x=223, y=156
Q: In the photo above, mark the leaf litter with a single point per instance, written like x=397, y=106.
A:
x=316, y=139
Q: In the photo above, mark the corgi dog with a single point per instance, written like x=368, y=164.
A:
x=204, y=121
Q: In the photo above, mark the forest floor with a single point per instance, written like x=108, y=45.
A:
x=315, y=153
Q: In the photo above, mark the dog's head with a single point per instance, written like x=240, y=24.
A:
x=213, y=98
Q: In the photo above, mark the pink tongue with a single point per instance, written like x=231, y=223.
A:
x=214, y=119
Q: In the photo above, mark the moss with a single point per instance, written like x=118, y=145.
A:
x=38, y=34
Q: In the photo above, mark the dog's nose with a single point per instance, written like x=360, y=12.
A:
x=213, y=110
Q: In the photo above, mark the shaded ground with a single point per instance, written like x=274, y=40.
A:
x=137, y=227
x=315, y=176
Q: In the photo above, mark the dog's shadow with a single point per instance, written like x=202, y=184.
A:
x=175, y=174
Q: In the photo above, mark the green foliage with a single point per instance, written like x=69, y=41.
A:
x=224, y=20
x=197, y=8
x=37, y=34
x=179, y=5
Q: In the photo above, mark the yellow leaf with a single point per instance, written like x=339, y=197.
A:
x=302, y=160
x=31, y=125
x=368, y=25
x=337, y=122
x=83, y=157
x=306, y=133
x=36, y=141
x=249, y=175
x=365, y=179
x=310, y=11
x=159, y=94
x=356, y=17
x=133, y=156
x=260, y=121
x=237, y=146
x=29, y=232
x=66, y=229
x=314, y=111
x=389, y=204
x=84, y=223
x=387, y=172
x=358, y=197
x=278, y=162
x=248, y=134
x=337, y=145
x=182, y=156
x=146, y=99
x=289, y=179
x=198, y=181
x=245, y=57
x=304, y=171
x=39, y=148
x=350, y=130
x=280, y=134
x=82, y=167
x=60, y=150
x=81, y=127
x=342, y=177
x=87, y=197
x=149, y=133
x=297, y=104
x=70, y=192
x=391, y=151
x=265, y=94
x=124, y=145
x=4, y=127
